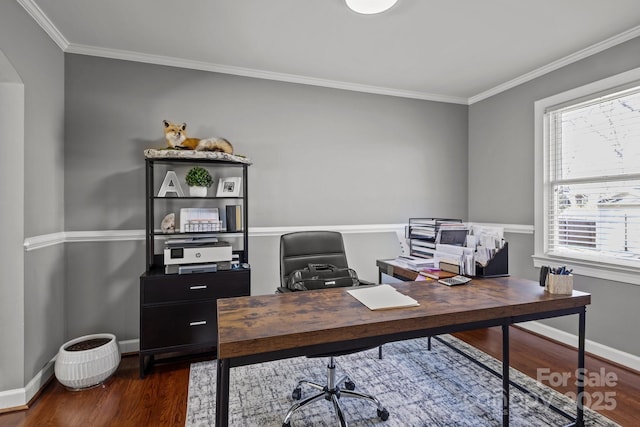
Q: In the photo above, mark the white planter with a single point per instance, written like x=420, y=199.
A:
x=198, y=191
x=79, y=369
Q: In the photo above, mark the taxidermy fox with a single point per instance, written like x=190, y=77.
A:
x=176, y=137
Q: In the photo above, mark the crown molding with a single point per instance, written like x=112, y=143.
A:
x=254, y=73
x=45, y=23
x=562, y=62
x=36, y=13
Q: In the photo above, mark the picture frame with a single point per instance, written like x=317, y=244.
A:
x=229, y=187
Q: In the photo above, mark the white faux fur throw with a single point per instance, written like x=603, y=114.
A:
x=152, y=153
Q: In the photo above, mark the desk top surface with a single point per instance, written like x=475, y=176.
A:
x=257, y=324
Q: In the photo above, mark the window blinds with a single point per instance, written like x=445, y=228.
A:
x=593, y=178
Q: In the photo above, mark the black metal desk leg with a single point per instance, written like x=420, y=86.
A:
x=581, y=367
x=505, y=375
x=222, y=393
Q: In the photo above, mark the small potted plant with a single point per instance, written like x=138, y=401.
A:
x=198, y=180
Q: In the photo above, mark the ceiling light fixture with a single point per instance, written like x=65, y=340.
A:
x=370, y=7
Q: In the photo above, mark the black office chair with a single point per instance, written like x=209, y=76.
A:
x=297, y=250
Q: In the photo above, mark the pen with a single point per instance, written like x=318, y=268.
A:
x=562, y=271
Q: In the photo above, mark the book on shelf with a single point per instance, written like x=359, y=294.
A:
x=234, y=217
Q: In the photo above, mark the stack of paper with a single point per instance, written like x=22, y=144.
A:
x=382, y=297
x=414, y=262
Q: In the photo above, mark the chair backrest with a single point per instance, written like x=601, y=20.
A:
x=301, y=248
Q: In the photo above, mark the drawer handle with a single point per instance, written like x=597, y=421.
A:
x=198, y=323
x=195, y=287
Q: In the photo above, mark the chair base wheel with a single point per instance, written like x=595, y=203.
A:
x=349, y=385
x=297, y=393
x=286, y=424
x=383, y=414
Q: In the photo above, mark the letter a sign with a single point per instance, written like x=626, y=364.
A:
x=170, y=185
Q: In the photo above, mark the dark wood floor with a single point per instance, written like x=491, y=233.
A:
x=160, y=399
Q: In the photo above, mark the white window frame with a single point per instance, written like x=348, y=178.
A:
x=592, y=268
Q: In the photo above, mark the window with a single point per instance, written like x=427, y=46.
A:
x=588, y=176
x=577, y=233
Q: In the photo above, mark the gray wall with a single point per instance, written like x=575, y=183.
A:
x=321, y=157
x=35, y=312
x=102, y=293
x=501, y=183
x=12, y=212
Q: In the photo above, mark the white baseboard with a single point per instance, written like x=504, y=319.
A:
x=19, y=397
x=12, y=398
x=129, y=346
x=620, y=357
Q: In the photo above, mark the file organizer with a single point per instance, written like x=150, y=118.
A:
x=422, y=233
x=498, y=266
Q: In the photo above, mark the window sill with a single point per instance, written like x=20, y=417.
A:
x=595, y=269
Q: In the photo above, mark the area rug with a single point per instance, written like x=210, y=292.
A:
x=418, y=387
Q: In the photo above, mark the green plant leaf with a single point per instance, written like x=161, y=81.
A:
x=199, y=177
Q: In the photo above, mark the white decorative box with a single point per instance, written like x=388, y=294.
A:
x=560, y=284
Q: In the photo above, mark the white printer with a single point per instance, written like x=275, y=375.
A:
x=188, y=255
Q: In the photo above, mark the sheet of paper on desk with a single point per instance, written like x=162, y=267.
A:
x=488, y=236
x=382, y=297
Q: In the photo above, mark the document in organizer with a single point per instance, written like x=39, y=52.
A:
x=382, y=297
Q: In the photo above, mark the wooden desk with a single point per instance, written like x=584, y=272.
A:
x=270, y=327
x=384, y=266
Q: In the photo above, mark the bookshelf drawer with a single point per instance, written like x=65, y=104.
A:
x=194, y=287
x=178, y=325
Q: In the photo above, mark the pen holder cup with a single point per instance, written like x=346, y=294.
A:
x=560, y=284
